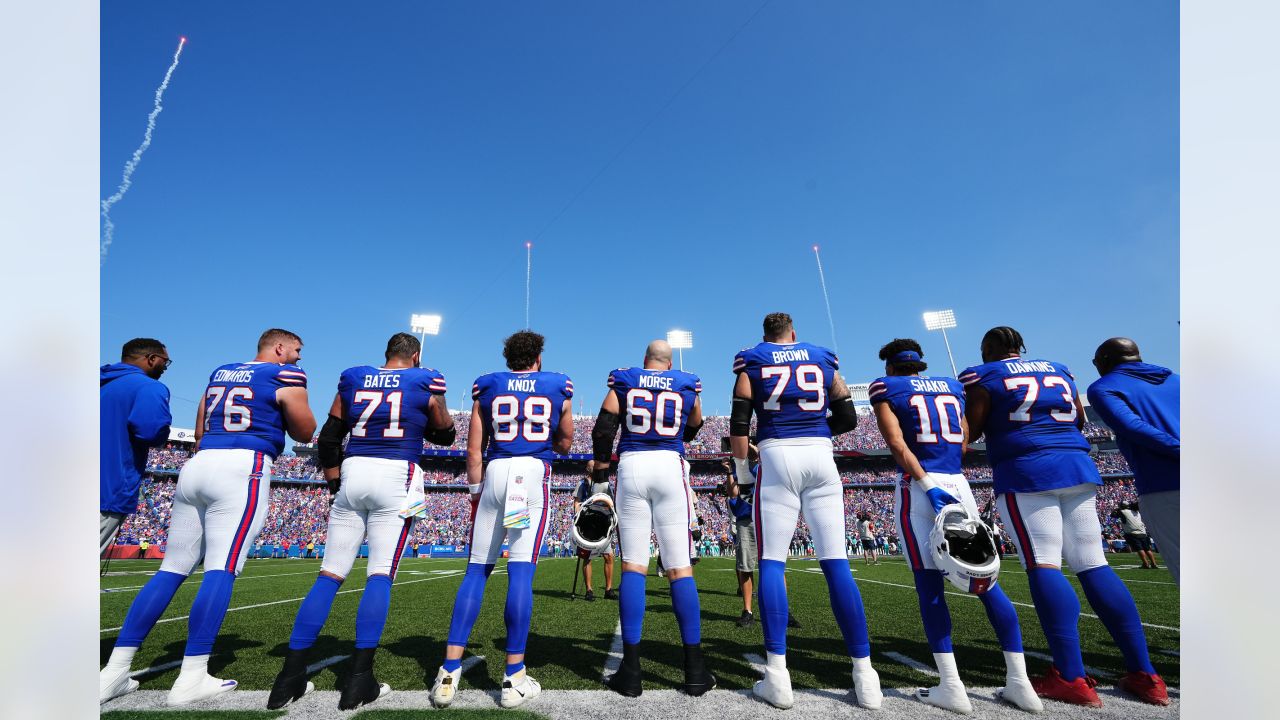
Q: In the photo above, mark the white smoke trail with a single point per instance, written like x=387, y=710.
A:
x=528, y=275
x=830, y=321
x=129, y=167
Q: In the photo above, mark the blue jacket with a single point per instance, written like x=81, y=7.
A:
x=1141, y=403
x=135, y=416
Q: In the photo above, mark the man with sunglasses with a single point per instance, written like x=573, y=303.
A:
x=135, y=418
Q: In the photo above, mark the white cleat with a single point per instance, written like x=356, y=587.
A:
x=1018, y=692
x=948, y=697
x=114, y=683
x=193, y=687
x=518, y=690
x=445, y=687
x=866, y=684
x=775, y=688
x=1017, y=688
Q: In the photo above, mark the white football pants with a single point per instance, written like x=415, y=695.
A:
x=487, y=532
x=799, y=475
x=654, y=494
x=219, y=507
x=369, y=501
x=1047, y=525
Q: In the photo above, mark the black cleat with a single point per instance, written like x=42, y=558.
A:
x=362, y=687
x=589, y=596
x=746, y=619
x=291, y=684
x=610, y=594
x=697, y=680
x=792, y=622
x=626, y=681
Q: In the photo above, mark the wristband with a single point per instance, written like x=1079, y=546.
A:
x=475, y=489
x=926, y=483
x=742, y=470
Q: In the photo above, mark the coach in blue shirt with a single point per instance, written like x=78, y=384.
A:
x=1141, y=403
x=135, y=417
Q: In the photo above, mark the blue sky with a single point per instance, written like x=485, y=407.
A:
x=332, y=168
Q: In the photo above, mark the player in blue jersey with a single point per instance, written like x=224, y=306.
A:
x=659, y=410
x=791, y=386
x=519, y=420
x=923, y=424
x=219, y=506
x=387, y=411
x=1046, y=484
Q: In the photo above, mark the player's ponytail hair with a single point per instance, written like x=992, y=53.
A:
x=900, y=345
x=1003, y=341
x=522, y=349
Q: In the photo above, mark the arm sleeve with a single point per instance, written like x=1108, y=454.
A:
x=149, y=419
x=1124, y=421
x=329, y=444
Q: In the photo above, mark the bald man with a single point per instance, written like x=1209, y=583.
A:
x=659, y=410
x=1141, y=404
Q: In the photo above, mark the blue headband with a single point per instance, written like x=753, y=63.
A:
x=905, y=356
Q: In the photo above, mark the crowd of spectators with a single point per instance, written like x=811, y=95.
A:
x=299, y=514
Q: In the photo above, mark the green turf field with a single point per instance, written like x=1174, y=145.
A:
x=570, y=639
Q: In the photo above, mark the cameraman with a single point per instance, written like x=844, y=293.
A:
x=1135, y=533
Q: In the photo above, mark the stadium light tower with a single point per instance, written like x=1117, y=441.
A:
x=425, y=325
x=942, y=320
x=679, y=340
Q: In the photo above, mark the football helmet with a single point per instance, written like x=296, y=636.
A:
x=964, y=549
x=595, y=522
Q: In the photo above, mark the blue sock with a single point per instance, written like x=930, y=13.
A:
x=1003, y=618
x=1059, y=611
x=451, y=665
x=846, y=603
x=208, y=611
x=313, y=612
x=150, y=604
x=1114, y=604
x=466, y=606
x=933, y=610
x=631, y=606
x=684, y=600
x=519, y=610
x=513, y=668
x=773, y=605
x=371, y=615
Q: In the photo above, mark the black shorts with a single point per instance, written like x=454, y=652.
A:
x=1138, y=542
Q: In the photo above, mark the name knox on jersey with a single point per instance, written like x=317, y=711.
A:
x=522, y=385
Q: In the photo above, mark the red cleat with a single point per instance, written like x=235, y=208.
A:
x=1077, y=692
x=1146, y=687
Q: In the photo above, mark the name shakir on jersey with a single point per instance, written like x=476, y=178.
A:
x=925, y=385
x=522, y=385
x=1030, y=366
x=793, y=355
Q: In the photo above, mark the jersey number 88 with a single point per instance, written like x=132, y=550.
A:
x=535, y=426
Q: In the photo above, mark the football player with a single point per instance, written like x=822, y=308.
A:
x=388, y=412
x=219, y=506
x=791, y=386
x=519, y=419
x=659, y=410
x=922, y=421
x=1046, y=484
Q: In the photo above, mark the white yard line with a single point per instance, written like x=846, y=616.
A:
x=155, y=669
x=757, y=663
x=975, y=597
x=614, y=660
x=911, y=663
x=471, y=662
x=1103, y=674
x=300, y=599
x=238, y=579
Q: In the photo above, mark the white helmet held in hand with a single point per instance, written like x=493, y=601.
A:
x=964, y=549
x=595, y=522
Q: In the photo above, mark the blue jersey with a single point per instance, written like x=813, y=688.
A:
x=1032, y=439
x=521, y=412
x=655, y=406
x=790, y=388
x=240, y=407
x=386, y=410
x=929, y=410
